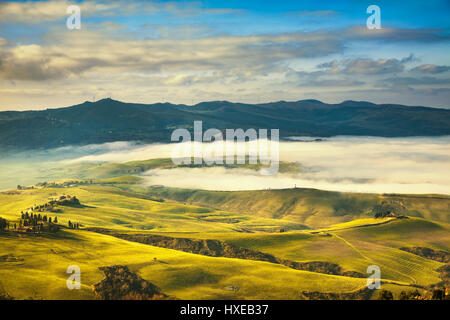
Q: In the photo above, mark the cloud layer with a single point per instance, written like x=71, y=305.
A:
x=358, y=164
x=159, y=51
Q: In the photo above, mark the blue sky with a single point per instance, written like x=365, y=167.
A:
x=248, y=51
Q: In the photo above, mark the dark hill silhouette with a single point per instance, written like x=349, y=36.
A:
x=109, y=120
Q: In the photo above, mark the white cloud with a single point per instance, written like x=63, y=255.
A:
x=34, y=12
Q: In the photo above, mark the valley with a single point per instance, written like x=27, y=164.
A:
x=197, y=244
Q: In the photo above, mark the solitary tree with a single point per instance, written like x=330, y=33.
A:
x=386, y=295
x=3, y=224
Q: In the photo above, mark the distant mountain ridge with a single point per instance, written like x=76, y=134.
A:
x=109, y=120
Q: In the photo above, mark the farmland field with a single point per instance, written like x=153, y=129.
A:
x=114, y=211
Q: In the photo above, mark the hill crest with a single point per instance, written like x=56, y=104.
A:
x=110, y=120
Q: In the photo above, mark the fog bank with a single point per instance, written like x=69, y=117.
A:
x=359, y=164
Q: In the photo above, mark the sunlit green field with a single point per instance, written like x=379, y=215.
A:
x=110, y=207
x=358, y=247
x=186, y=276
x=34, y=266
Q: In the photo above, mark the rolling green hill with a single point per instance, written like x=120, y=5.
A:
x=41, y=260
x=296, y=236
x=111, y=207
x=38, y=270
x=312, y=207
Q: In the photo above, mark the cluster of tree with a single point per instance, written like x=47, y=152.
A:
x=428, y=253
x=40, y=223
x=73, y=225
x=66, y=200
x=19, y=187
x=122, y=284
x=4, y=224
x=35, y=222
x=49, y=206
x=33, y=219
x=388, y=209
x=433, y=294
x=63, y=184
x=411, y=295
x=5, y=296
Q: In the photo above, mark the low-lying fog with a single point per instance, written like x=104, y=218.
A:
x=360, y=164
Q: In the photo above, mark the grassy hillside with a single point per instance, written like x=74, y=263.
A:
x=38, y=270
x=356, y=245
x=110, y=207
x=33, y=265
x=314, y=208
x=311, y=207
